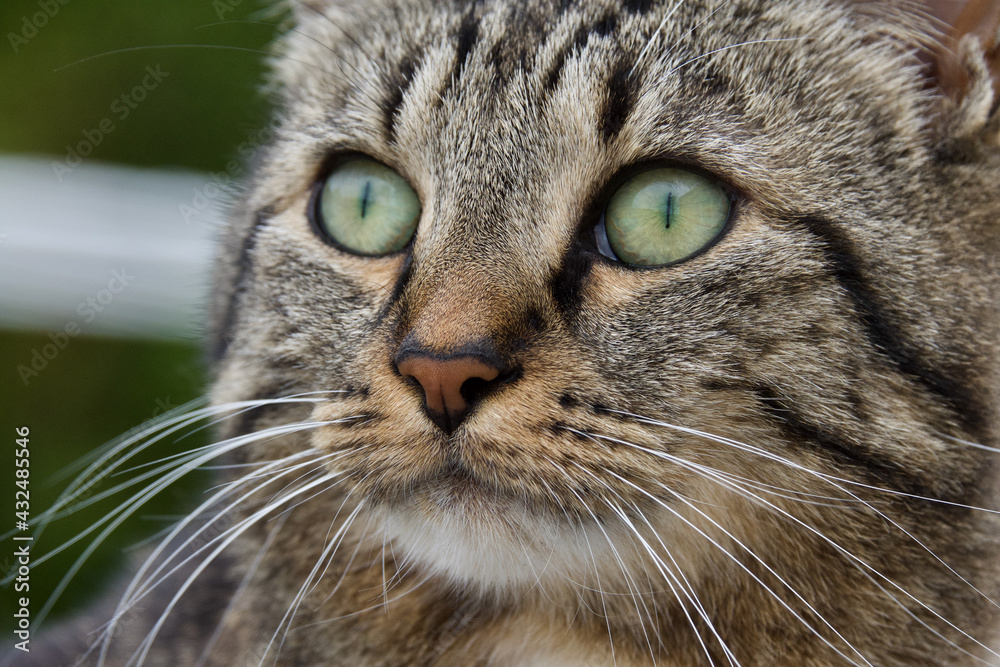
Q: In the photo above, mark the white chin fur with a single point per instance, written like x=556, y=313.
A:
x=500, y=548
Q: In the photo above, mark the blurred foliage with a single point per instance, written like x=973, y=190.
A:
x=65, y=66
x=93, y=391
x=66, y=78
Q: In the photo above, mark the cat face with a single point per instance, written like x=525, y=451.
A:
x=763, y=427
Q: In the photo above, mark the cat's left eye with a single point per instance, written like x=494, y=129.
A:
x=366, y=208
x=662, y=216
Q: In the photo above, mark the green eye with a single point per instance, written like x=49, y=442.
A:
x=662, y=216
x=367, y=208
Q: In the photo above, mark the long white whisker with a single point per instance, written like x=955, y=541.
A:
x=328, y=551
x=792, y=464
x=621, y=565
x=235, y=532
x=670, y=577
x=968, y=443
x=243, y=585
x=656, y=33
x=862, y=566
x=138, y=589
x=116, y=453
x=135, y=590
x=835, y=483
x=139, y=499
x=329, y=539
x=708, y=472
x=172, y=415
x=157, y=475
x=673, y=582
x=725, y=551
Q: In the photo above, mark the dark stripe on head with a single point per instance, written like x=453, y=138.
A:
x=222, y=336
x=400, y=82
x=622, y=91
x=640, y=6
x=465, y=41
x=605, y=26
x=528, y=24
x=885, y=338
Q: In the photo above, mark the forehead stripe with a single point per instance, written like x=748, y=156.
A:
x=619, y=102
x=399, y=84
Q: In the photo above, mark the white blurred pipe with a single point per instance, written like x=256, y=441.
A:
x=61, y=243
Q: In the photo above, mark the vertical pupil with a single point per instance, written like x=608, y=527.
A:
x=364, y=198
x=668, y=209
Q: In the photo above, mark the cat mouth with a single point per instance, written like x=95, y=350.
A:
x=454, y=487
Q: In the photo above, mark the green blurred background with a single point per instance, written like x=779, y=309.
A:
x=98, y=388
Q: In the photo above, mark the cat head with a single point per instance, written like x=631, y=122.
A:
x=526, y=381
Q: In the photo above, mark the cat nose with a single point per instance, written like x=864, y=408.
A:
x=451, y=384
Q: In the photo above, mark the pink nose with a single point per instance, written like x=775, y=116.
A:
x=442, y=381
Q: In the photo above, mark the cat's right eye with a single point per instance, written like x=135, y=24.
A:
x=662, y=216
x=366, y=208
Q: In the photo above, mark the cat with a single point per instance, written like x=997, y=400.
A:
x=578, y=332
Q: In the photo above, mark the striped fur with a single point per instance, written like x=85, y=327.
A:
x=775, y=453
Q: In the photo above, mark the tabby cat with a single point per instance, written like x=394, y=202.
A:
x=580, y=332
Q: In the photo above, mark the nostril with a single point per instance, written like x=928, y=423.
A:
x=473, y=388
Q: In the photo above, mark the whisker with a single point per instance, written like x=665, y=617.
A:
x=89, y=457
x=687, y=34
x=597, y=575
x=673, y=582
x=367, y=609
x=158, y=475
x=328, y=551
x=359, y=449
x=792, y=464
x=137, y=588
x=129, y=507
x=722, y=549
x=621, y=565
x=968, y=443
x=328, y=539
x=708, y=472
x=669, y=575
x=735, y=46
x=217, y=47
x=376, y=63
x=113, y=456
x=240, y=589
x=835, y=483
x=235, y=532
x=656, y=33
x=862, y=565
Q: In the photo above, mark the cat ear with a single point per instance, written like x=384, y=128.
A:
x=965, y=65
